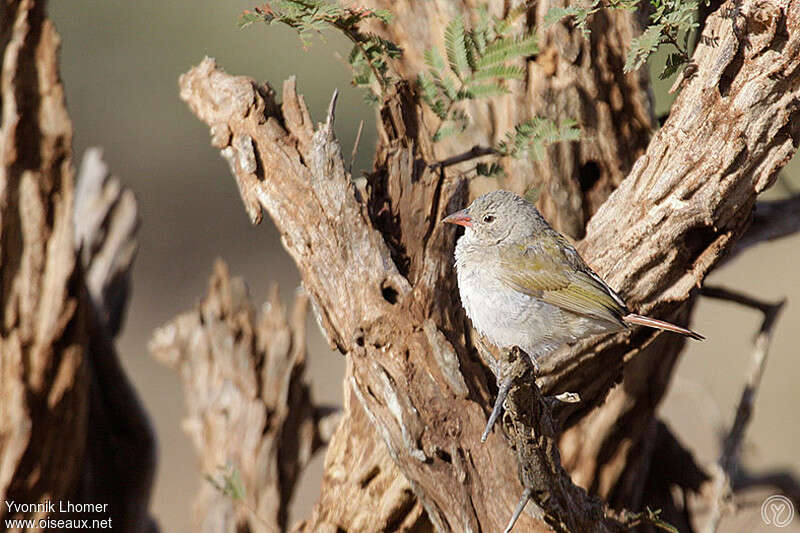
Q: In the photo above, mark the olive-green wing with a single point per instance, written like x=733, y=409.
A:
x=552, y=271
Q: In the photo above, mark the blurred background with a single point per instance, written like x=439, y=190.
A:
x=120, y=66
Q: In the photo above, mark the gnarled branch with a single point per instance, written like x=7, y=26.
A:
x=379, y=272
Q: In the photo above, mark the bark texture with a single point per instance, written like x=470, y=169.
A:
x=570, y=77
x=43, y=341
x=377, y=266
x=71, y=426
x=251, y=415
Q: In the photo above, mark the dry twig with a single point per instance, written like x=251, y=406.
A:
x=725, y=468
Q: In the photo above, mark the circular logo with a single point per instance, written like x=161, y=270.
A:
x=777, y=510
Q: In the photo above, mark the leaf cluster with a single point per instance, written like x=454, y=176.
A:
x=532, y=136
x=580, y=12
x=671, y=23
x=370, y=53
x=478, y=63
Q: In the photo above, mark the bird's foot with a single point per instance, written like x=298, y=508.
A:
x=502, y=393
x=526, y=495
x=504, y=381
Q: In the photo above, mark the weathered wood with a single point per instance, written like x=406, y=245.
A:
x=71, y=427
x=359, y=475
x=684, y=205
x=250, y=408
x=43, y=331
x=570, y=77
x=106, y=221
x=378, y=268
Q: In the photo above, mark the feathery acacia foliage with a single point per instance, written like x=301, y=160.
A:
x=531, y=137
x=370, y=54
x=580, y=11
x=671, y=22
x=478, y=65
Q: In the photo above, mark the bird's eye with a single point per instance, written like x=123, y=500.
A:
x=488, y=218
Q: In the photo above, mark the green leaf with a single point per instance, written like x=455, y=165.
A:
x=234, y=486
x=473, y=52
x=249, y=17
x=554, y=14
x=371, y=98
x=448, y=85
x=384, y=15
x=434, y=60
x=309, y=17
x=673, y=64
x=456, y=47
x=533, y=135
x=533, y=193
x=447, y=130
x=508, y=48
x=654, y=517
x=430, y=95
x=428, y=88
x=490, y=170
x=501, y=72
x=642, y=47
x=482, y=91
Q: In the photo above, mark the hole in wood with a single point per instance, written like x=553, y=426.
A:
x=389, y=293
x=588, y=175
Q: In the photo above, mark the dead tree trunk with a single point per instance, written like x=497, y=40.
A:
x=71, y=426
x=377, y=263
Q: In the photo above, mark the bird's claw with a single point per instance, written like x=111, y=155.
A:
x=504, y=387
x=526, y=495
x=502, y=393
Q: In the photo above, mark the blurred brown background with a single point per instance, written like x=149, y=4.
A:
x=120, y=64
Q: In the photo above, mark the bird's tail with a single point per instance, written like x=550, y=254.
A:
x=633, y=318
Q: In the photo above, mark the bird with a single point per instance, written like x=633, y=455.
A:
x=523, y=284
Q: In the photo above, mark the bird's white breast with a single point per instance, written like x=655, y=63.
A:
x=507, y=317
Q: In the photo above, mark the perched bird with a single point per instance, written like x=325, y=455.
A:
x=522, y=284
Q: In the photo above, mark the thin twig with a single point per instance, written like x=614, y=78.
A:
x=785, y=482
x=771, y=220
x=355, y=146
x=472, y=153
x=356, y=37
x=729, y=458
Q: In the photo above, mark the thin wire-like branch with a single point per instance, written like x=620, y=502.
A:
x=787, y=483
x=472, y=153
x=771, y=220
x=355, y=146
x=724, y=469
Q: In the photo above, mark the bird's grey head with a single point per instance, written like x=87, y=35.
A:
x=499, y=216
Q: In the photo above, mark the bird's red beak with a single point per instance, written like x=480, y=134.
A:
x=461, y=218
